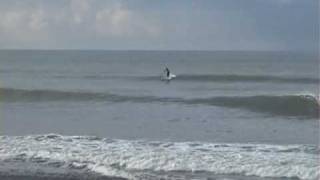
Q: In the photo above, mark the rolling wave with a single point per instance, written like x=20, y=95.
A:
x=210, y=78
x=36, y=95
x=73, y=156
x=286, y=105
x=241, y=78
x=247, y=78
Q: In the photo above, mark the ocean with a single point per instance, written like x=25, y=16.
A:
x=94, y=114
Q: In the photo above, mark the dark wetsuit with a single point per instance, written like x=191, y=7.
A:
x=168, y=72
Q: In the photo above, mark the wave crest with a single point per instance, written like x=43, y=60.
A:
x=206, y=78
x=241, y=78
x=285, y=105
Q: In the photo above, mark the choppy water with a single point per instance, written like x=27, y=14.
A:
x=153, y=159
x=236, y=115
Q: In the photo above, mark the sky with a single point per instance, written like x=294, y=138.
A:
x=160, y=24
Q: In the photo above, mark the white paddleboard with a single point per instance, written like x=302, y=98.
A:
x=164, y=77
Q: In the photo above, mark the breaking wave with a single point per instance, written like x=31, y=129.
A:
x=285, y=105
x=56, y=155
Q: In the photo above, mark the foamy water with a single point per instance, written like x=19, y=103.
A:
x=45, y=154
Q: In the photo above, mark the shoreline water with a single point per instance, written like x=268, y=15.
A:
x=55, y=156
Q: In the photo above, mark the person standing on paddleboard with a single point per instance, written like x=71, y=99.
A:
x=167, y=71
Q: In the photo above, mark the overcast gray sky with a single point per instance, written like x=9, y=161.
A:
x=160, y=25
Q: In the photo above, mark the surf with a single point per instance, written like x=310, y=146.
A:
x=55, y=155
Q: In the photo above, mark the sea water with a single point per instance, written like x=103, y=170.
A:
x=106, y=114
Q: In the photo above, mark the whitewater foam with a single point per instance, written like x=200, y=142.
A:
x=129, y=159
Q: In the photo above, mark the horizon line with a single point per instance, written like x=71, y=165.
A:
x=145, y=50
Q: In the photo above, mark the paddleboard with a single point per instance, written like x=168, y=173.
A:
x=164, y=77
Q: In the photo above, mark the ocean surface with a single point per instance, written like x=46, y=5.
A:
x=71, y=114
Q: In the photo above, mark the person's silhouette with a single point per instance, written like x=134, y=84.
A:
x=167, y=71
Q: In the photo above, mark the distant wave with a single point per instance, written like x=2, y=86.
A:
x=55, y=155
x=18, y=95
x=210, y=78
x=242, y=78
x=285, y=105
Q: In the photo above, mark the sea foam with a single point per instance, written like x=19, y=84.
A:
x=47, y=154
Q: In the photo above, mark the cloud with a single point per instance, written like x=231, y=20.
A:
x=123, y=24
x=28, y=20
x=118, y=20
x=114, y=21
x=23, y=25
x=80, y=9
x=37, y=20
x=277, y=2
x=283, y=1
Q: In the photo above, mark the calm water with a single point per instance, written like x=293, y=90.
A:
x=235, y=115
